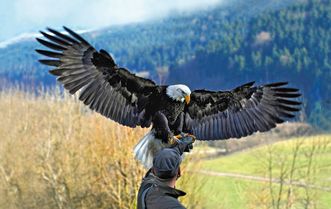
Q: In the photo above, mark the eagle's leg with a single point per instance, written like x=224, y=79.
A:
x=178, y=128
x=161, y=127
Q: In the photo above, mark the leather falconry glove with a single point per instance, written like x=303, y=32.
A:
x=185, y=144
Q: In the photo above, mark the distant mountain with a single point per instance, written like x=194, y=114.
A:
x=291, y=44
x=149, y=47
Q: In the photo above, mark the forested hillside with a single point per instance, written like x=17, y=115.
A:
x=150, y=46
x=217, y=48
x=291, y=44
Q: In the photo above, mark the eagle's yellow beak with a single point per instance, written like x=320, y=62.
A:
x=187, y=99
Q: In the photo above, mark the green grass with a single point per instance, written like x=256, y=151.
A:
x=249, y=161
x=306, y=159
x=223, y=192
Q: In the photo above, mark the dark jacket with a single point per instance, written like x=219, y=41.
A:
x=159, y=195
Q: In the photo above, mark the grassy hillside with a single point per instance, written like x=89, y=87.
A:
x=291, y=174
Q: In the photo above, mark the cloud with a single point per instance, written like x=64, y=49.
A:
x=28, y=15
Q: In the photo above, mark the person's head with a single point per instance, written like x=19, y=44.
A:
x=166, y=164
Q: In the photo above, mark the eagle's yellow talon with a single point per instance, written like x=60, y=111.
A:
x=179, y=136
x=173, y=140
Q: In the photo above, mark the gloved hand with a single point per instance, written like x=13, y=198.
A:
x=185, y=144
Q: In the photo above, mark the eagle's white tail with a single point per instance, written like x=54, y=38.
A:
x=146, y=149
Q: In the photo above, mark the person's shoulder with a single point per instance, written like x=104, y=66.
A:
x=172, y=202
x=163, y=202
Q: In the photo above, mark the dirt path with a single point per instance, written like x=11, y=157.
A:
x=262, y=179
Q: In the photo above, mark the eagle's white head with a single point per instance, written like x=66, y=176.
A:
x=179, y=92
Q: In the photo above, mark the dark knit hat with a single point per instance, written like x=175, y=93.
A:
x=166, y=163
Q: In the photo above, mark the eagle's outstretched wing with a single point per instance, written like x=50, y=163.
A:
x=239, y=112
x=106, y=88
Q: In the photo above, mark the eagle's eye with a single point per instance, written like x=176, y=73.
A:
x=181, y=91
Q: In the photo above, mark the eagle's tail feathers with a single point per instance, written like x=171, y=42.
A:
x=147, y=147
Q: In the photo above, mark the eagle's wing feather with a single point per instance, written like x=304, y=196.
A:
x=240, y=112
x=106, y=88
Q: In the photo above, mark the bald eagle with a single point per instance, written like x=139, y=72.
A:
x=134, y=101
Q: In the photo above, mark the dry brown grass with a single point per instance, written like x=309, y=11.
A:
x=55, y=153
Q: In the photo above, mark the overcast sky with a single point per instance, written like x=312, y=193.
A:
x=20, y=16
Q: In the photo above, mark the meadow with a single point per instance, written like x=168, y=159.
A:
x=56, y=153
x=295, y=173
